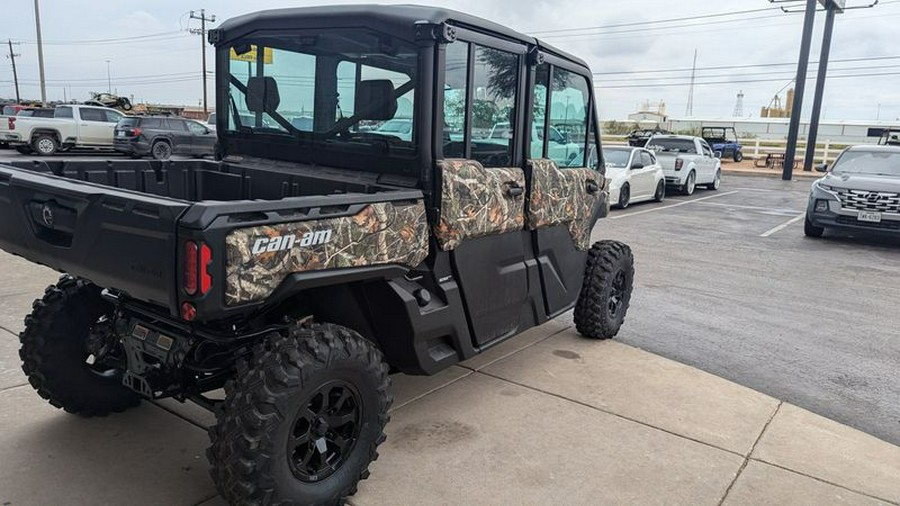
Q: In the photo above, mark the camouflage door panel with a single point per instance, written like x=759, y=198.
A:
x=560, y=197
x=476, y=202
x=259, y=258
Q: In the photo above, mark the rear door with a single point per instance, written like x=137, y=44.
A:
x=708, y=163
x=563, y=191
x=93, y=127
x=480, y=186
x=182, y=138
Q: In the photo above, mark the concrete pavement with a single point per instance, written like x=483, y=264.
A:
x=548, y=417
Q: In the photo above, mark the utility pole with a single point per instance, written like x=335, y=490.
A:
x=12, y=56
x=40, y=45
x=202, y=32
x=690, y=105
x=108, y=79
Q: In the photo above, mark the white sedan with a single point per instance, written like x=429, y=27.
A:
x=635, y=175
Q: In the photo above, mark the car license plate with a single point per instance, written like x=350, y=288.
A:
x=871, y=217
x=121, y=133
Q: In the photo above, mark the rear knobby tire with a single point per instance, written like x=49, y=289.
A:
x=268, y=402
x=606, y=290
x=54, y=352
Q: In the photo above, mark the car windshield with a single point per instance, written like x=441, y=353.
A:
x=616, y=158
x=885, y=163
x=672, y=145
x=354, y=89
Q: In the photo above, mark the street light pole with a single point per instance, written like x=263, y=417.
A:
x=820, y=90
x=40, y=46
x=797, y=109
x=108, y=79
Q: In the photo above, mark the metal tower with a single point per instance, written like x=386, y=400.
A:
x=739, y=105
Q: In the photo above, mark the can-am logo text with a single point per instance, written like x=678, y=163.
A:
x=286, y=242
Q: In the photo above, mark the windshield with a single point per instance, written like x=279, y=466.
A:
x=342, y=90
x=672, y=145
x=616, y=158
x=886, y=163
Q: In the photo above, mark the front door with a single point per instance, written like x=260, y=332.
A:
x=564, y=193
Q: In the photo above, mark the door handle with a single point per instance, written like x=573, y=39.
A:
x=513, y=189
x=592, y=187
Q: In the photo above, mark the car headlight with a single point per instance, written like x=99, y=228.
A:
x=824, y=187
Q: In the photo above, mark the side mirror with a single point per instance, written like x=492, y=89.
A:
x=637, y=165
x=822, y=167
x=717, y=154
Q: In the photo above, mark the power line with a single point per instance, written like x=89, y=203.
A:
x=152, y=37
x=657, y=21
x=743, y=66
x=673, y=85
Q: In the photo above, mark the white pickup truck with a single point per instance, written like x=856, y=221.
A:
x=687, y=162
x=72, y=126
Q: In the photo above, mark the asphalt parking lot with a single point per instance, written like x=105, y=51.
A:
x=727, y=282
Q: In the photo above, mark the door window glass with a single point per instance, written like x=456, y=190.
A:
x=92, y=115
x=113, y=116
x=569, y=104
x=175, y=125
x=196, y=128
x=63, y=112
x=539, y=94
x=646, y=159
x=494, y=85
x=149, y=123
x=456, y=67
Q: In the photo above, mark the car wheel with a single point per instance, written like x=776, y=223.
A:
x=660, y=194
x=44, y=145
x=717, y=181
x=738, y=156
x=624, y=197
x=302, y=418
x=811, y=230
x=161, y=150
x=606, y=290
x=690, y=184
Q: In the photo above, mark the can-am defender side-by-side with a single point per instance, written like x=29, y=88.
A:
x=365, y=216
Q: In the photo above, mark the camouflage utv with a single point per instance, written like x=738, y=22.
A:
x=397, y=188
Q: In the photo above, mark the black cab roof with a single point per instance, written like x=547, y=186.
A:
x=398, y=20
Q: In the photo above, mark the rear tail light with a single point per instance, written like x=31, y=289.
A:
x=11, y=123
x=136, y=132
x=205, y=278
x=189, y=281
x=679, y=163
x=196, y=279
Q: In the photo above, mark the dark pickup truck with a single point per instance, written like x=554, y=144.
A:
x=316, y=256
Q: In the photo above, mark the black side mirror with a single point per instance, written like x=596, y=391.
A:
x=822, y=167
x=637, y=165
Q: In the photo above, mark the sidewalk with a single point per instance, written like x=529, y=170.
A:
x=549, y=417
x=747, y=168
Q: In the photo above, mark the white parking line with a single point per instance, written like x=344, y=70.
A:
x=783, y=226
x=755, y=208
x=681, y=203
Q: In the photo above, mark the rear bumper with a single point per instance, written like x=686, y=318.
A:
x=10, y=137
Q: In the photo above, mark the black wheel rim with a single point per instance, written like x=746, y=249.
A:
x=616, y=294
x=162, y=151
x=324, y=431
x=660, y=190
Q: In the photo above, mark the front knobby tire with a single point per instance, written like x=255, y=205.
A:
x=55, y=352
x=606, y=290
x=302, y=419
x=810, y=230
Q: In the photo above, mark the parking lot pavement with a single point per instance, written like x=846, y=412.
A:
x=726, y=281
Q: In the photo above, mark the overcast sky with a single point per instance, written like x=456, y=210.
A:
x=165, y=68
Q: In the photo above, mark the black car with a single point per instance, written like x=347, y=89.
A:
x=162, y=137
x=861, y=191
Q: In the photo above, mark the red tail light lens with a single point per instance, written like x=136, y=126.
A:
x=136, y=132
x=11, y=123
x=189, y=281
x=679, y=163
x=205, y=278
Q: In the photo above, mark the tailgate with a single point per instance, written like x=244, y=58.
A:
x=116, y=238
